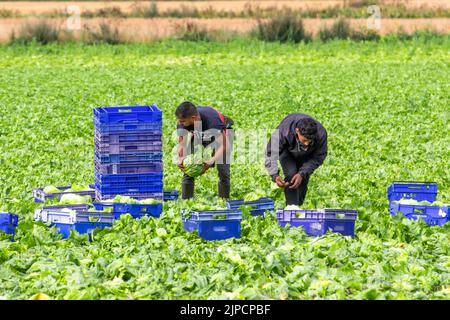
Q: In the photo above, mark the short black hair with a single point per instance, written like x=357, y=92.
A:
x=185, y=110
x=307, y=128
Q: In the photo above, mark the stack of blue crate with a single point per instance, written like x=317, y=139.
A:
x=128, y=152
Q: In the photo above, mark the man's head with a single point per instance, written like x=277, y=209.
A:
x=306, y=131
x=186, y=114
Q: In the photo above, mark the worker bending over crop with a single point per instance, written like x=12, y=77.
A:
x=209, y=128
x=300, y=144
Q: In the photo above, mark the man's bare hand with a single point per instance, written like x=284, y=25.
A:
x=181, y=165
x=207, y=164
x=280, y=182
x=296, y=181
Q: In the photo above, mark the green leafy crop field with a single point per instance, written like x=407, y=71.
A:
x=385, y=105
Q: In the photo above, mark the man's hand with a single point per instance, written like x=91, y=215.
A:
x=207, y=164
x=280, y=182
x=296, y=181
x=180, y=164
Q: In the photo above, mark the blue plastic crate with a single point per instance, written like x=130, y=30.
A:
x=40, y=196
x=112, y=115
x=210, y=227
x=419, y=191
x=8, y=222
x=258, y=212
x=115, y=207
x=80, y=221
x=131, y=168
x=77, y=207
x=80, y=227
x=71, y=216
x=171, y=195
x=128, y=158
x=127, y=126
x=431, y=215
x=128, y=137
x=135, y=210
x=102, y=196
x=144, y=151
x=128, y=178
x=9, y=229
x=214, y=230
x=156, y=184
x=136, y=136
x=214, y=215
x=131, y=129
x=127, y=147
x=7, y=218
x=130, y=188
x=261, y=205
x=318, y=222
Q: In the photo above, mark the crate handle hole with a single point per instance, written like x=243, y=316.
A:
x=219, y=229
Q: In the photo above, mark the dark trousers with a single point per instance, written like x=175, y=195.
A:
x=290, y=167
x=223, y=170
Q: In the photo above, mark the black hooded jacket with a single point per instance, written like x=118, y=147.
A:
x=285, y=140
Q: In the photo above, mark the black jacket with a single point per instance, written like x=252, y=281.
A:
x=309, y=160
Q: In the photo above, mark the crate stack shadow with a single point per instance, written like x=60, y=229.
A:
x=128, y=152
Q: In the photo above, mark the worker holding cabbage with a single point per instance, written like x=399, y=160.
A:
x=199, y=127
